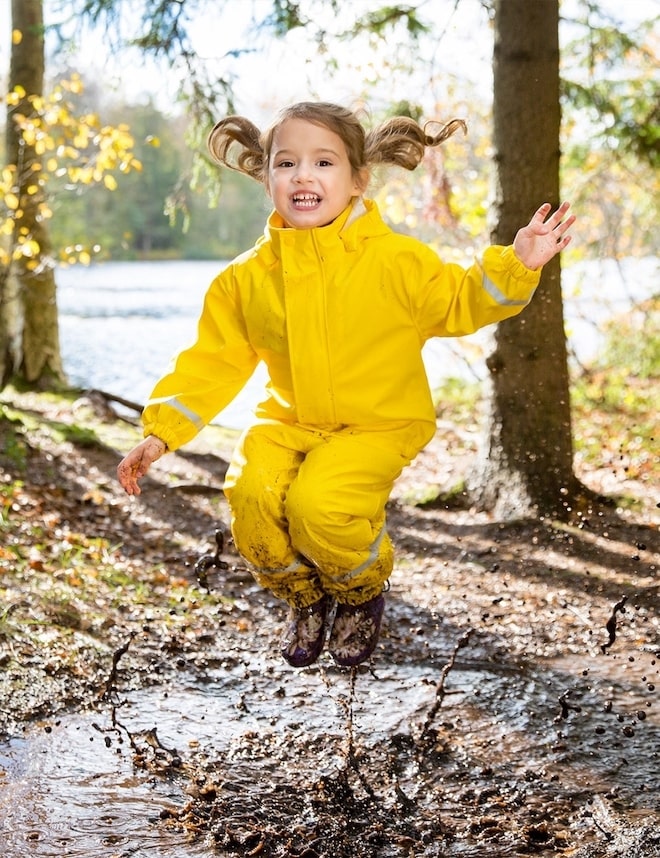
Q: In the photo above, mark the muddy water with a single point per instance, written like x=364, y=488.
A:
x=64, y=793
x=515, y=749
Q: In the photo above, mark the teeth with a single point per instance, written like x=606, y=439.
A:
x=306, y=199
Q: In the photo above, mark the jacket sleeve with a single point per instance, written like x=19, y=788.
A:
x=453, y=301
x=205, y=377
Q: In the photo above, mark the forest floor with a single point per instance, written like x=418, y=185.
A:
x=511, y=706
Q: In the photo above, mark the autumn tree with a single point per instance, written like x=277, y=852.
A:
x=29, y=344
x=46, y=143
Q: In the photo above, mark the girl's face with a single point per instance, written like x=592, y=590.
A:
x=310, y=179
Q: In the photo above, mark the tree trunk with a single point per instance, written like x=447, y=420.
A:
x=5, y=354
x=28, y=302
x=526, y=462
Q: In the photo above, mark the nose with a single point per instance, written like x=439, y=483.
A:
x=302, y=172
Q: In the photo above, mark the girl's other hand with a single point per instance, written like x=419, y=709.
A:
x=136, y=464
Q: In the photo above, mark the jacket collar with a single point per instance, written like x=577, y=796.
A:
x=360, y=219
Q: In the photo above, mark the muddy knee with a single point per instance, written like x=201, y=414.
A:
x=258, y=528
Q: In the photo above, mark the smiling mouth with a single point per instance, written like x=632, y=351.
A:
x=306, y=201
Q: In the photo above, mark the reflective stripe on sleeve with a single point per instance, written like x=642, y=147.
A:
x=177, y=405
x=499, y=297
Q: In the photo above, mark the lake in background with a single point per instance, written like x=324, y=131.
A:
x=121, y=322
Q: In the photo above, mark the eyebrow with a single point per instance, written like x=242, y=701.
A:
x=323, y=151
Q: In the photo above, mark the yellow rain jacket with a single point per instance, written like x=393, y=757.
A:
x=339, y=315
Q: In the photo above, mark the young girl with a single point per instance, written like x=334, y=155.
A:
x=338, y=307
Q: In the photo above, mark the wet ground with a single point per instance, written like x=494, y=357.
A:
x=511, y=708
x=453, y=753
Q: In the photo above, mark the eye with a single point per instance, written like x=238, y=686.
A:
x=325, y=163
x=284, y=163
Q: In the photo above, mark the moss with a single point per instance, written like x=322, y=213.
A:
x=13, y=449
x=434, y=497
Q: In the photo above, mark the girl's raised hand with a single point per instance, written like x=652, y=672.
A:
x=543, y=237
x=136, y=463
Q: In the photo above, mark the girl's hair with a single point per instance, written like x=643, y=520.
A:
x=236, y=142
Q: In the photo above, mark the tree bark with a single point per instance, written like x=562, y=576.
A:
x=28, y=307
x=525, y=465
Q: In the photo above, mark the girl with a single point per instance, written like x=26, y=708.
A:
x=338, y=307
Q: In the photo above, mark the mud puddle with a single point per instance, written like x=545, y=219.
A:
x=465, y=758
x=64, y=792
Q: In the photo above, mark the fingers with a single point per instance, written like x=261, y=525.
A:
x=556, y=217
x=561, y=229
x=561, y=225
x=555, y=225
x=128, y=473
x=136, y=464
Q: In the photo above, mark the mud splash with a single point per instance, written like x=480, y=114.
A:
x=462, y=758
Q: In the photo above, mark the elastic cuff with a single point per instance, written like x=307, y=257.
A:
x=163, y=434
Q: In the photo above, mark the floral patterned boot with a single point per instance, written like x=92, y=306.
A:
x=355, y=631
x=304, y=636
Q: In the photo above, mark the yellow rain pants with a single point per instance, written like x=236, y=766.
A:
x=308, y=507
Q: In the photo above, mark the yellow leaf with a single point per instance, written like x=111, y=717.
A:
x=32, y=189
x=11, y=201
x=84, y=257
x=51, y=165
x=153, y=141
x=16, y=37
x=110, y=182
x=81, y=138
x=30, y=248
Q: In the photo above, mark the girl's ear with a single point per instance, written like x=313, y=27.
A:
x=362, y=180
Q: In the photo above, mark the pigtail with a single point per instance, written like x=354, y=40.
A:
x=445, y=132
x=235, y=142
x=402, y=141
